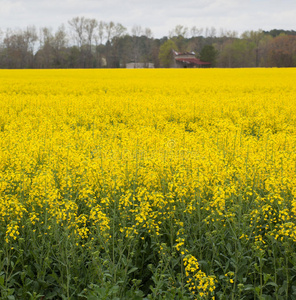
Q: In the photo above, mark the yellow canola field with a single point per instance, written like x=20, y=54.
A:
x=154, y=154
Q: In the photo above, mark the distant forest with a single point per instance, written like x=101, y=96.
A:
x=88, y=43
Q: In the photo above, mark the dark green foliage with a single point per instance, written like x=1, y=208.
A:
x=277, y=32
x=209, y=54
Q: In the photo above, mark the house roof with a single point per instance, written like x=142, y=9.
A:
x=192, y=60
x=183, y=53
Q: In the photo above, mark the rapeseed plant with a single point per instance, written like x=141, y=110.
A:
x=106, y=172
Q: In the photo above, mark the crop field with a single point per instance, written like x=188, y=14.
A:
x=148, y=184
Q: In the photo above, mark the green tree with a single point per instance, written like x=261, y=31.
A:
x=237, y=53
x=254, y=37
x=209, y=54
x=166, y=53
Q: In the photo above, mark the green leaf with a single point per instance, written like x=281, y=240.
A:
x=1, y=280
x=272, y=284
x=132, y=270
x=248, y=287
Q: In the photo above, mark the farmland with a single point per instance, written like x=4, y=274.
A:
x=148, y=184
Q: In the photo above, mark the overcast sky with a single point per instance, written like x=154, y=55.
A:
x=160, y=16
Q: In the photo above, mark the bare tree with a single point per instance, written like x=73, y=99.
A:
x=60, y=38
x=148, y=33
x=45, y=36
x=231, y=34
x=59, y=44
x=90, y=25
x=148, y=46
x=99, y=35
x=1, y=49
x=212, y=32
x=44, y=57
x=19, y=48
x=137, y=30
x=222, y=32
x=194, y=31
x=77, y=26
x=179, y=35
x=110, y=28
x=119, y=30
x=179, y=30
x=114, y=30
x=1, y=34
x=30, y=37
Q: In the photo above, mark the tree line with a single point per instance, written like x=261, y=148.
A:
x=88, y=43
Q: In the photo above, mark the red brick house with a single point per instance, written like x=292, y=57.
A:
x=188, y=60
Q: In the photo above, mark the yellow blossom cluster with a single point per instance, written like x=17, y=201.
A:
x=197, y=280
x=11, y=232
